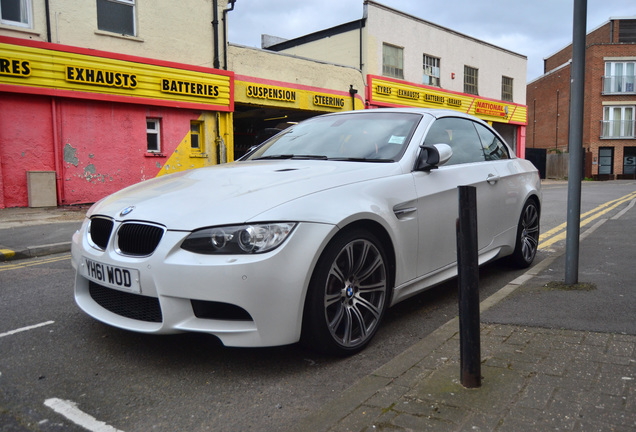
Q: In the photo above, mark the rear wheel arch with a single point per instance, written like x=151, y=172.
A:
x=527, y=233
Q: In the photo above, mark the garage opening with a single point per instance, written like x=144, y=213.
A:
x=255, y=124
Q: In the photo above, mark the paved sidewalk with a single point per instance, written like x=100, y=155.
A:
x=31, y=232
x=554, y=357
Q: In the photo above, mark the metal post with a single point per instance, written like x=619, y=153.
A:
x=468, y=271
x=575, y=143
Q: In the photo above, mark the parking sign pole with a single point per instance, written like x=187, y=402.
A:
x=575, y=143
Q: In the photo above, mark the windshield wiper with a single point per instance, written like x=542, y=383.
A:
x=293, y=156
x=280, y=156
x=359, y=159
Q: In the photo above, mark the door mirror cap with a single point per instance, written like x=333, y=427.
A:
x=433, y=156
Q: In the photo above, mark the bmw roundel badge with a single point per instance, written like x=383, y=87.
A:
x=127, y=211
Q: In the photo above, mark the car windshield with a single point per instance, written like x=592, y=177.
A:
x=367, y=137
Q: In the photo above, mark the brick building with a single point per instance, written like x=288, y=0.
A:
x=609, y=141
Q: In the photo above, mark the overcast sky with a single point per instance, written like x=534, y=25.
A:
x=534, y=28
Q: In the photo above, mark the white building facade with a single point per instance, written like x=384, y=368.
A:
x=407, y=61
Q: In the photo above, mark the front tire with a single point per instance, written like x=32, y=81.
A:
x=348, y=294
x=527, y=235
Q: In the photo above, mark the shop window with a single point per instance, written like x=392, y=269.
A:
x=618, y=122
x=470, y=80
x=431, y=71
x=16, y=12
x=619, y=77
x=196, y=136
x=116, y=16
x=506, y=88
x=153, y=135
x=605, y=160
x=629, y=160
x=392, y=61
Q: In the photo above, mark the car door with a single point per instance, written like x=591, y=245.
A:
x=507, y=187
x=437, y=194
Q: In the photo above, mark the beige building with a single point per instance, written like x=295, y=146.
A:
x=160, y=29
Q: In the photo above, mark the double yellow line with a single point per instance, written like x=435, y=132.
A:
x=29, y=263
x=556, y=234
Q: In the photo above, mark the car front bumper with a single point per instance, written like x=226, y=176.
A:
x=244, y=300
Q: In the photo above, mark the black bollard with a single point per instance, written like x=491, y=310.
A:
x=468, y=275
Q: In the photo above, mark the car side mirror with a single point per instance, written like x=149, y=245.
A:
x=433, y=156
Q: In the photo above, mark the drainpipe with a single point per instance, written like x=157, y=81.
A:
x=556, y=140
x=57, y=154
x=360, y=44
x=48, y=21
x=215, y=30
x=225, y=11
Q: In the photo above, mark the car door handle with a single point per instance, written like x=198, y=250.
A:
x=492, y=178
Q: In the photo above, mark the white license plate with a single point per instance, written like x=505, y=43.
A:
x=111, y=276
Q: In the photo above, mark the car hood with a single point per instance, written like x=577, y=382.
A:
x=232, y=193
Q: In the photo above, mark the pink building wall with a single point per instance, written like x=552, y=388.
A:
x=95, y=147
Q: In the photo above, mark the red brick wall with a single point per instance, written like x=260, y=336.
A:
x=595, y=70
x=548, y=125
x=548, y=101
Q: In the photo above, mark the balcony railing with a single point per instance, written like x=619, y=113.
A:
x=617, y=128
x=619, y=84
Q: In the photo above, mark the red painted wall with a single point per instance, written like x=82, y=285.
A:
x=25, y=144
x=101, y=146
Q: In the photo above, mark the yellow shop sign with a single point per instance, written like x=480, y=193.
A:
x=490, y=108
x=329, y=101
x=102, y=77
x=189, y=88
x=273, y=93
x=15, y=67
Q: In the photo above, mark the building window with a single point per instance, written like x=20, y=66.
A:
x=153, y=135
x=606, y=160
x=431, y=71
x=618, y=122
x=470, y=80
x=16, y=12
x=506, y=88
x=196, y=136
x=392, y=61
x=116, y=16
x=619, y=77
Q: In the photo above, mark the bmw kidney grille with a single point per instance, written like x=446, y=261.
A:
x=133, y=238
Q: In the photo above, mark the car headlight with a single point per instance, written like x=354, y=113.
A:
x=238, y=239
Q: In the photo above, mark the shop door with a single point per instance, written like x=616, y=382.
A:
x=605, y=160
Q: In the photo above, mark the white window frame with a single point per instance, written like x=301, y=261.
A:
x=390, y=68
x=132, y=4
x=507, y=85
x=618, y=128
x=431, y=72
x=25, y=12
x=617, y=79
x=156, y=131
x=476, y=79
x=199, y=133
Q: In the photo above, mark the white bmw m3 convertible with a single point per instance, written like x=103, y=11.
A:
x=311, y=235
